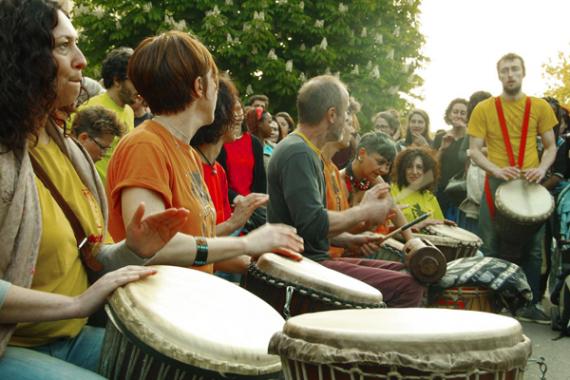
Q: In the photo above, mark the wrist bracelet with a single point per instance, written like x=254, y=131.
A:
x=201, y=252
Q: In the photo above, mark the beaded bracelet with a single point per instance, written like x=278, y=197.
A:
x=201, y=252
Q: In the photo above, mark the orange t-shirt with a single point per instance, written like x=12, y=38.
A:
x=337, y=195
x=150, y=157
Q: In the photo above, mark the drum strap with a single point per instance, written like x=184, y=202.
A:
x=508, y=146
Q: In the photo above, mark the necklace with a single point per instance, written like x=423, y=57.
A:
x=362, y=184
x=174, y=131
x=210, y=164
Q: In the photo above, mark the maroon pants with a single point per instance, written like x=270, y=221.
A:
x=399, y=289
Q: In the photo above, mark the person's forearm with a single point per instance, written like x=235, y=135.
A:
x=342, y=221
x=181, y=250
x=27, y=305
x=548, y=157
x=482, y=161
x=227, y=228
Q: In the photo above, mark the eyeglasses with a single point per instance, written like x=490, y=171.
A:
x=103, y=148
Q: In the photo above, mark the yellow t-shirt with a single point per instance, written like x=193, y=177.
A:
x=484, y=123
x=418, y=203
x=126, y=115
x=58, y=267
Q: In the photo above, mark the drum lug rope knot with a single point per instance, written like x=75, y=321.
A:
x=288, y=297
x=541, y=362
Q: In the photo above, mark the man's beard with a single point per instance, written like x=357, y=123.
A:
x=512, y=91
x=335, y=132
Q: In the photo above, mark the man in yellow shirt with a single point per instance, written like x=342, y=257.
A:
x=485, y=128
x=118, y=98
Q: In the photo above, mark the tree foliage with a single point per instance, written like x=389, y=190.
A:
x=273, y=46
x=557, y=74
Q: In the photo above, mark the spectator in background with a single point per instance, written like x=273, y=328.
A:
x=89, y=88
x=140, y=108
x=258, y=122
x=286, y=123
x=96, y=128
x=388, y=123
x=258, y=100
x=418, y=133
x=119, y=97
x=451, y=161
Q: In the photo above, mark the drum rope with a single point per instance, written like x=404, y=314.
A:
x=253, y=270
x=542, y=366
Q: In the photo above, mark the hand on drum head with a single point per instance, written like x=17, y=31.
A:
x=272, y=237
x=364, y=244
x=508, y=173
x=92, y=299
x=428, y=222
x=287, y=253
x=534, y=175
x=146, y=236
x=448, y=222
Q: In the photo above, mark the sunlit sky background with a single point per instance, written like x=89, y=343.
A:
x=465, y=38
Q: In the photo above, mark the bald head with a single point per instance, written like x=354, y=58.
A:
x=318, y=95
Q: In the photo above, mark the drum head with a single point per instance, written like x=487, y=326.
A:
x=455, y=233
x=309, y=274
x=201, y=320
x=523, y=201
x=426, y=339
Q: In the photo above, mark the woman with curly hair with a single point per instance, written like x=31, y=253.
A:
x=414, y=177
x=417, y=132
x=53, y=213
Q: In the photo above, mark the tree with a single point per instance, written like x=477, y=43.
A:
x=273, y=46
x=557, y=74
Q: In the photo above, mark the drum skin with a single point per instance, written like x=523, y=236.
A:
x=402, y=344
x=191, y=322
x=311, y=286
x=454, y=242
x=522, y=208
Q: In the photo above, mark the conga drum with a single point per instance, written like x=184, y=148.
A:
x=521, y=208
x=297, y=287
x=402, y=344
x=454, y=242
x=182, y=323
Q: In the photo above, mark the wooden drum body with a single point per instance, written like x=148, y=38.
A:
x=294, y=288
x=402, y=344
x=521, y=208
x=474, y=298
x=182, y=323
x=454, y=242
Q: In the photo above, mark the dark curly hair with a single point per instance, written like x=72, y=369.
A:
x=28, y=82
x=115, y=65
x=404, y=160
x=223, y=115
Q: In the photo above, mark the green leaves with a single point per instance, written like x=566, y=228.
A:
x=271, y=46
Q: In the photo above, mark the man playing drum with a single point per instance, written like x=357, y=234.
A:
x=297, y=194
x=511, y=123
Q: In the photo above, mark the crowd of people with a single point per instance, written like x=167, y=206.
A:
x=166, y=164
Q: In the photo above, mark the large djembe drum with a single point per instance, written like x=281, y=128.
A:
x=297, y=287
x=186, y=324
x=402, y=344
x=521, y=208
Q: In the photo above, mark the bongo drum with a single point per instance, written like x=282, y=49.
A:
x=521, y=208
x=474, y=298
x=402, y=344
x=183, y=323
x=454, y=242
x=297, y=287
x=390, y=250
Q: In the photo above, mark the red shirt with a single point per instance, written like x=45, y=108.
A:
x=240, y=163
x=217, y=184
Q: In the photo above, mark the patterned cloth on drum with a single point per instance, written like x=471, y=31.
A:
x=176, y=325
x=506, y=280
x=401, y=344
x=454, y=242
x=294, y=288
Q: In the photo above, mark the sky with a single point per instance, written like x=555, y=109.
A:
x=465, y=38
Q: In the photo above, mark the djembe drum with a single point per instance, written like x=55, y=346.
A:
x=454, y=242
x=297, y=287
x=474, y=298
x=182, y=323
x=521, y=208
x=401, y=344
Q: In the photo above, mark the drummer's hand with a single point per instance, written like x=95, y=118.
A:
x=535, y=175
x=145, y=236
x=364, y=244
x=508, y=173
x=377, y=203
x=428, y=222
x=245, y=206
x=96, y=295
x=449, y=223
x=273, y=237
